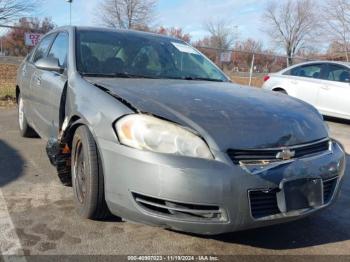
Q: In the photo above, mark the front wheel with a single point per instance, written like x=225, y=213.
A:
x=87, y=176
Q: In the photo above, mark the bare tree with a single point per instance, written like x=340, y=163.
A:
x=248, y=49
x=336, y=17
x=11, y=10
x=291, y=24
x=222, y=34
x=127, y=14
x=174, y=32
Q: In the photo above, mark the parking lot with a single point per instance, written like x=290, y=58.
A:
x=37, y=215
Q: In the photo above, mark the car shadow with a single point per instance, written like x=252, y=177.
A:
x=11, y=164
x=329, y=226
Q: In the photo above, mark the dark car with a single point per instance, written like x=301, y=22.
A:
x=147, y=128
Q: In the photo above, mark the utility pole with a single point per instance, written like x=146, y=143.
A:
x=70, y=11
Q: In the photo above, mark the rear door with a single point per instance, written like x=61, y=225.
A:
x=49, y=87
x=307, y=81
x=334, y=95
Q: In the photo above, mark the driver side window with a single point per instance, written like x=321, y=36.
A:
x=43, y=47
x=338, y=73
x=59, y=49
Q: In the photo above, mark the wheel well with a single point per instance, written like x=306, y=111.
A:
x=280, y=89
x=62, y=151
x=70, y=131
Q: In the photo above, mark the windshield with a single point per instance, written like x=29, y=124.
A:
x=130, y=54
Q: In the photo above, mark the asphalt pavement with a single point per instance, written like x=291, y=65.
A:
x=37, y=215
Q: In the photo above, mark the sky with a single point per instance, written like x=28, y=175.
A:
x=245, y=15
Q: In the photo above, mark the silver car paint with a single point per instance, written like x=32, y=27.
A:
x=229, y=115
x=178, y=178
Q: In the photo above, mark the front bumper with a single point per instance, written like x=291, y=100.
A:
x=202, y=196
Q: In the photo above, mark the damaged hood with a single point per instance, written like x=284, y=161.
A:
x=225, y=115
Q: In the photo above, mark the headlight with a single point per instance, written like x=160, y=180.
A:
x=150, y=133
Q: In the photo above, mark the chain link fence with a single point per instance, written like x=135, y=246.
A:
x=8, y=71
x=12, y=51
x=248, y=68
x=3, y=32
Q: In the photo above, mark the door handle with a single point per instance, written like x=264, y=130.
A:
x=325, y=87
x=294, y=82
x=38, y=81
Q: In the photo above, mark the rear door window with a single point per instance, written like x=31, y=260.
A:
x=337, y=73
x=310, y=71
x=43, y=47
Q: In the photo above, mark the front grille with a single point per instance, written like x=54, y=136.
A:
x=328, y=189
x=184, y=211
x=252, y=155
x=264, y=203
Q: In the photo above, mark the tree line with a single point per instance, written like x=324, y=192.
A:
x=299, y=28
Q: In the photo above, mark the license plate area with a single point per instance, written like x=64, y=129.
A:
x=298, y=194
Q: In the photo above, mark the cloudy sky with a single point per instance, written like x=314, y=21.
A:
x=187, y=14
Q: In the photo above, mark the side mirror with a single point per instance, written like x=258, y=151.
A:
x=49, y=64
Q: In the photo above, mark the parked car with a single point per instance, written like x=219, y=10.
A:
x=147, y=128
x=323, y=84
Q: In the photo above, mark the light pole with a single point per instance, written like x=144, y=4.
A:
x=70, y=11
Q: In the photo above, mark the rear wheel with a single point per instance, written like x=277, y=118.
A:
x=24, y=128
x=87, y=176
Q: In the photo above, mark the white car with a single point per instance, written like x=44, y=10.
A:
x=323, y=84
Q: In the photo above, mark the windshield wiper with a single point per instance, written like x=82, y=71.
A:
x=104, y=75
x=128, y=75
x=194, y=78
x=117, y=75
x=136, y=76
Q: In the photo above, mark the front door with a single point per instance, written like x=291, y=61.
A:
x=46, y=88
x=49, y=86
x=307, y=79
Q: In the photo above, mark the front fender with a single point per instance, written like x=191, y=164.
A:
x=89, y=105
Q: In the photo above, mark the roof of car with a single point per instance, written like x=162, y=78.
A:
x=121, y=31
x=324, y=61
x=347, y=64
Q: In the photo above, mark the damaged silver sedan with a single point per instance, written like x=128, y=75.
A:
x=148, y=129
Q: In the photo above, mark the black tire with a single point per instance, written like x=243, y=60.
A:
x=25, y=129
x=87, y=176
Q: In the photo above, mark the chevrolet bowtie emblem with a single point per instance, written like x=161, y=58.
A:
x=286, y=154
